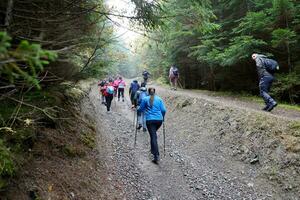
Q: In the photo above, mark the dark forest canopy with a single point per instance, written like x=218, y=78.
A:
x=212, y=42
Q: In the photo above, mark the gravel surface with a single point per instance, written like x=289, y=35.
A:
x=198, y=163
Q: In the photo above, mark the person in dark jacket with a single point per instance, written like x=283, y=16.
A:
x=146, y=75
x=265, y=82
x=134, y=87
x=155, y=111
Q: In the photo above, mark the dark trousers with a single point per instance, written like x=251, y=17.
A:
x=108, y=100
x=265, y=84
x=121, y=93
x=153, y=126
x=132, y=94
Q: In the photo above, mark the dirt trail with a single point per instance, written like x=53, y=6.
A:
x=196, y=166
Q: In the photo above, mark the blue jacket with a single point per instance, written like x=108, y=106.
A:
x=134, y=87
x=156, y=112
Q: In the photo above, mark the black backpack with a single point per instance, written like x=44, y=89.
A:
x=175, y=72
x=270, y=65
x=145, y=74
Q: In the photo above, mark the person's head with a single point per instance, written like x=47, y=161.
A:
x=110, y=80
x=254, y=56
x=120, y=78
x=135, y=81
x=143, y=84
x=151, y=92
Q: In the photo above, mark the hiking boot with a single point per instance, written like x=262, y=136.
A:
x=144, y=130
x=123, y=100
x=155, y=160
x=139, y=127
x=272, y=106
x=265, y=108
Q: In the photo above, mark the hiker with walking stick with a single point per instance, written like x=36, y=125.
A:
x=155, y=111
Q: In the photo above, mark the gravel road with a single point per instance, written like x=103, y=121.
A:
x=195, y=166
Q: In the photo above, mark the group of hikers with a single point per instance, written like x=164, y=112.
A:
x=150, y=108
x=111, y=88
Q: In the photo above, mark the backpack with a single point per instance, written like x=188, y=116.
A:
x=135, y=87
x=270, y=65
x=145, y=74
x=110, y=90
x=175, y=72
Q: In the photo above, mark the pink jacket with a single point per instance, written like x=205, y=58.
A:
x=122, y=84
x=116, y=83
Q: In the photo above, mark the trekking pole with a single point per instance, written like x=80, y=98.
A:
x=135, y=135
x=134, y=116
x=164, y=133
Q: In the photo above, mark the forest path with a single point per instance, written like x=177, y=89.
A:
x=196, y=165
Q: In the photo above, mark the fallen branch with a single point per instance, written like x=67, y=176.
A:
x=46, y=111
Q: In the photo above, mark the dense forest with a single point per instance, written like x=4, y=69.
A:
x=212, y=42
x=48, y=46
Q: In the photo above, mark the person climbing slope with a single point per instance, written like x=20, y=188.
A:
x=266, y=79
x=121, y=88
x=155, y=111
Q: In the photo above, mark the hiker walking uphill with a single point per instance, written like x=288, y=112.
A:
x=109, y=91
x=121, y=88
x=173, y=77
x=140, y=95
x=101, y=85
x=146, y=75
x=155, y=111
x=116, y=85
x=134, y=87
x=265, y=69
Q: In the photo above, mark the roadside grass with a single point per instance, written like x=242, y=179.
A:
x=248, y=97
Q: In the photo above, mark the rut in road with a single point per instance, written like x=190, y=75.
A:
x=190, y=170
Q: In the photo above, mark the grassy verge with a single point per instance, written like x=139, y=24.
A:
x=248, y=97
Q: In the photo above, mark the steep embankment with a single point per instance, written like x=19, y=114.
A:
x=268, y=145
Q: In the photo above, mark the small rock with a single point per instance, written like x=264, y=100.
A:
x=254, y=160
x=250, y=184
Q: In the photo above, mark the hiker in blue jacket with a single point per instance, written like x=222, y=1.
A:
x=155, y=111
x=142, y=93
x=265, y=81
x=134, y=87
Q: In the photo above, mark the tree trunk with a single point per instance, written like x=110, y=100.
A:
x=289, y=56
x=8, y=14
